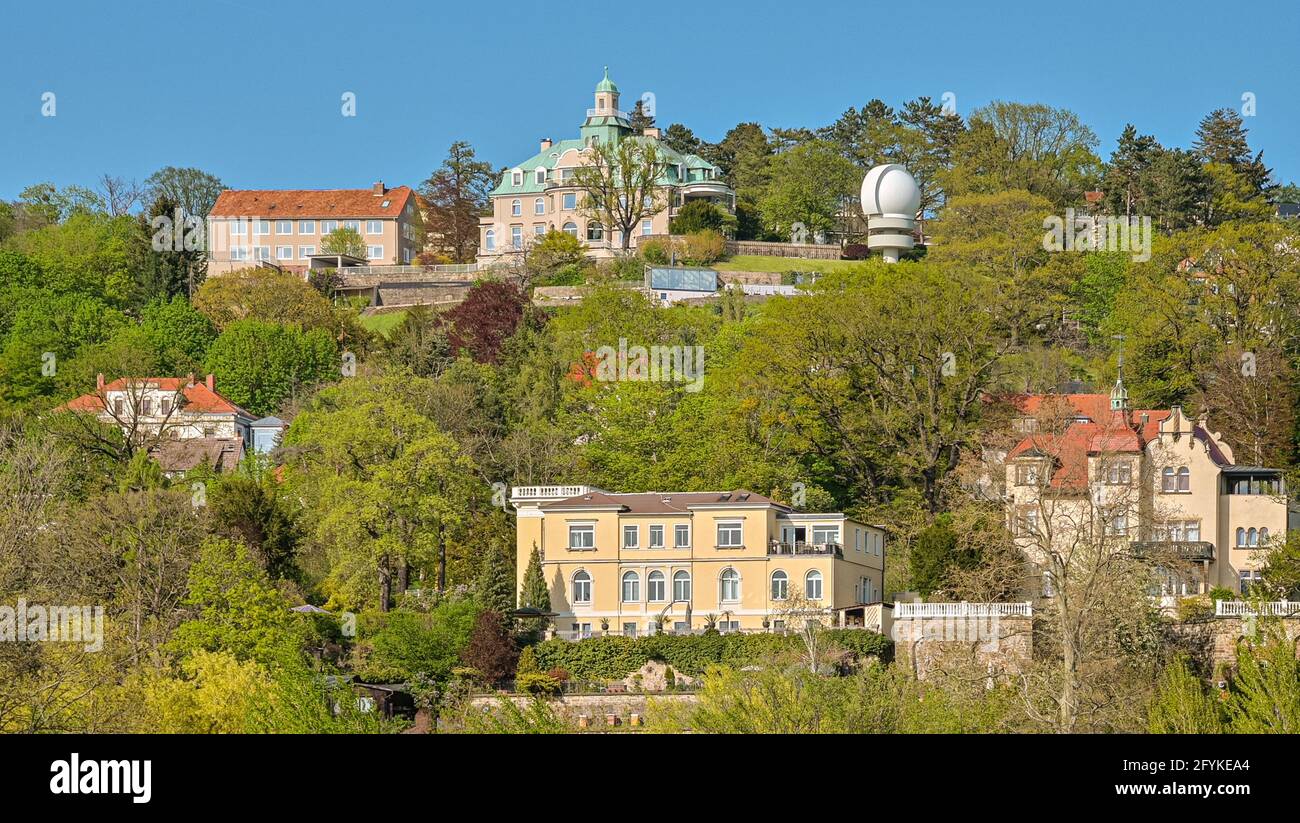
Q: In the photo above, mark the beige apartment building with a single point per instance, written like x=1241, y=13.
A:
x=629, y=563
x=285, y=227
x=1154, y=481
x=537, y=195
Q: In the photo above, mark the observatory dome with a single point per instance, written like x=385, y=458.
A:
x=890, y=191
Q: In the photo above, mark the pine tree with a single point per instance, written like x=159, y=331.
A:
x=495, y=587
x=1122, y=183
x=1221, y=138
x=535, y=594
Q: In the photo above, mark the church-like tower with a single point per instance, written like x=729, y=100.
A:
x=605, y=123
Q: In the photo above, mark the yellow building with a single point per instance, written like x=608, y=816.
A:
x=628, y=563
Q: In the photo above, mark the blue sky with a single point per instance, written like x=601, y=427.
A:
x=251, y=91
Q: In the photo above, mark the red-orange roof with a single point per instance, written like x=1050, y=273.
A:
x=198, y=397
x=311, y=203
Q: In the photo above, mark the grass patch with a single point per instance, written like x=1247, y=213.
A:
x=384, y=323
x=754, y=262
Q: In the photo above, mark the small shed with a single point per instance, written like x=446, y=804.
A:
x=672, y=284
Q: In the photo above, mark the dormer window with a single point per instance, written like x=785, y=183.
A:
x=540, y=176
x=517, y=178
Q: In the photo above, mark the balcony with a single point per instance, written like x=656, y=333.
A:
x=777, y=549
x=924, y=610
x=549, y=492
x=609, y=113
x=1237, y=608
x=1194, y=550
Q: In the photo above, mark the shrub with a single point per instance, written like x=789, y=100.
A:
x=703, y=247
x=658, y=252
x=855, y=251
x=616, y=657
x=1194, y=608
x=699, y=215
x=536, y=683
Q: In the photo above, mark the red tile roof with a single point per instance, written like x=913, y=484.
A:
x=198, y=397
x=311, y=203
x=663, y=502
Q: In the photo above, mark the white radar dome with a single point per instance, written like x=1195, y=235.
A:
x=890, y=191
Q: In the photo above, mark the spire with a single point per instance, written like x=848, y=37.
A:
x=1119, y=395
x=607, y=84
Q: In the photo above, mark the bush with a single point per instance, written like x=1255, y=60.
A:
x=703, y=247
x=658, y=252
x=700, y=215
x=612, y=658
x=536, y=683
x=855, y=251
x=1194, y=608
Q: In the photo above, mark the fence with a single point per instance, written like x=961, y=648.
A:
x=804, y=250
x=922, y=610
x=1237, y=608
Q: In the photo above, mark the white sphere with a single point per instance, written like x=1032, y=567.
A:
x=889, y=190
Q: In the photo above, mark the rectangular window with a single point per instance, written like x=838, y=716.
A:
x=306, y=251
x=166, y=406
x=730, y=535
x=631, y=537
x=682, y=535
x=539, y=229
x=517, y=178
x=284, y=227
x=284, y=252
x=647, y=227
x=239, y=252
x=374, y=227
x=1116, y=473
x=328, y=226
x=262, y=227
x=570, y=200
x=1026, y=524
x=629, y=630
x=355, y=225
x=1026, y=474
x=262, y=253
x=656, y=537
x=825, y=534
x=517, y=237
x=238, y=228
x=306, y=226
x=1116, y=524
x=582, y=536
x=375, y=252
x=1248, y=580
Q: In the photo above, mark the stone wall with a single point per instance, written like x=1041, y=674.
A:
x=1215, y=639
x=1002, y=645
x=598, y=709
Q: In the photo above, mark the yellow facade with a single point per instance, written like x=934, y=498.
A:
x=628, y=562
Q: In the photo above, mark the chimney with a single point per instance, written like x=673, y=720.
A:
x=189, y=379
x=651, y=131
x=99, y=382
x=212, y=383
x=378, y=189
x=546, y=143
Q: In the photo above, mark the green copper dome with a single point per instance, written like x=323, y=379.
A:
x=607, y=84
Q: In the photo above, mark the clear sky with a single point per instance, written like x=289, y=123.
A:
x=250, y=90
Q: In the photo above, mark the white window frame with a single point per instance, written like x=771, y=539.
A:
x=779, y=576
x=355, y=225
x=729, y=577
x=287, y=225
x=653, y=578
x=490, y=240
x=686, y=585
x=569, y=201
x=635, y=532
x=516, y=237
x=516, y=178
x=808, y=579
x=582, y=578
x=588, y=529
x=657, y=527
x=676, y=536
x=734, y=530
x=374, y=227
x=238, y=227
x=306, y=251
x=539, y=205
x=833, y=530
x=375, y=252
x=629, y=577
x=261, y=228
x=329, y=226
x=516, y=207
x=306, y=226
x=287, y=255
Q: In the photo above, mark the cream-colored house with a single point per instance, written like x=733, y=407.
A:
x=1153, y=480
x=627, y=563
x=286, y=227
x=537, y=195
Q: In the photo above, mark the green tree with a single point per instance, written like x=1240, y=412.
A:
x=620, y=185
x=496, y=582
x=1181, y=705
x=535, y=593
x=808, y=185
x=260, y=365
x=344, y=240
x=456, y=195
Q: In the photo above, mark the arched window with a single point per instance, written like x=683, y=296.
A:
x=631, y=587
x=812, y=585
x=1252, y=538
x=1184, y=480
x=571, y=228
x=539, y=206
x=1241, y=537
x=595, y=231
x=1167, y=483
x=780, y=585
x=490, y=240
x=655, y=587
x=516, y=207
x=582, y=587
x=1263, y=536
x=730, y=585
x=682, y=586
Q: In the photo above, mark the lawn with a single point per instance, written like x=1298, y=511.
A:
x=754, y=262
x=382, y=324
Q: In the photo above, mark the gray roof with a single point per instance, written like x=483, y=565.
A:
x=681, y=279
x=267, y=423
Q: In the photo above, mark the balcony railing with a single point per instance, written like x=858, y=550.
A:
x=551, y=492
x=608, y=113
x=1183, y=549
x=778, y=548
x=1275, y=608
x=918, y=610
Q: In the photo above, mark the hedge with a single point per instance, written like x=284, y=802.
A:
x=599, y=658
